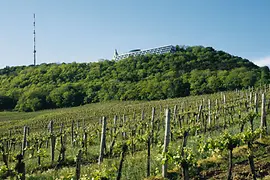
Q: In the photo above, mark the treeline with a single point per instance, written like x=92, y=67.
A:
x=189, y=71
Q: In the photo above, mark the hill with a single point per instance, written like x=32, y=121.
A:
x=190, y=71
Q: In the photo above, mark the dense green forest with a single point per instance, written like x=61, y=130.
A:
x=190, y=71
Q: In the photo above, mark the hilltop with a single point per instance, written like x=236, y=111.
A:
x=190, y=71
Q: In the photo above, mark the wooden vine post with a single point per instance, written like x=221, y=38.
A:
x=180, y=120
x=39, y=145
x=166, y=141
x=224, y=110
x=142, y=120
x=184, y=164
x=76, y=133
x=124, y=135
x=52, y=142
x=24, y=143
x=142, y=116
x=209, y=113
x=28, y=134
x=114, y=124
x=152, y=126
x=102, y=141
x=133, y=146
x=174, y=113
x=263, y=116
x=78, y=125
x=63, y=145
x=216, y=112
x=78, y=165
x=256, y=103
x=250, y=100
x=20, y=167
x=148, y=156
x=198, y=118
x=85, y=141
x=123, y=153
x=160, y=118
x=72, y=133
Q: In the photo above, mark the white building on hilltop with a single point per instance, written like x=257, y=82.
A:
x=137, y=52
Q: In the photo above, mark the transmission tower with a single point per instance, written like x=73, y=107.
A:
x=34, y=34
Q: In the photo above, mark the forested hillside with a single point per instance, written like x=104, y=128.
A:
x=191, y=70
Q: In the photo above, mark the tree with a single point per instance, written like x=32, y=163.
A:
x=32, y=100
x=7, y=103
x=67, y=95
x=265, y=75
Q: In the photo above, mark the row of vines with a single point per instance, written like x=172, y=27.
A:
x=173, y=133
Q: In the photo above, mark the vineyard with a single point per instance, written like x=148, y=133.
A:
x=218, y=136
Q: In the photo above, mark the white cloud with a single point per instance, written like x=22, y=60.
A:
x=262, y=61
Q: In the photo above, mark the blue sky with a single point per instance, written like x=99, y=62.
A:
x=89, y=30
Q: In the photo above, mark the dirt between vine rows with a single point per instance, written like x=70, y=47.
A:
x=241, y=171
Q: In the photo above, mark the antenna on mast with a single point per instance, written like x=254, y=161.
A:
x=34, y=33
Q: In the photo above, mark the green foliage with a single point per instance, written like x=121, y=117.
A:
x=225, y=142
x=6, y=102
x=250, y=136
x=188, y=158
x=107, y=172
x=191, y=70
x=3, y=170
x=67, y=95
x=32, y=100
x=265, y=75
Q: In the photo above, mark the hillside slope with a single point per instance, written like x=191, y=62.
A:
x=191, y=70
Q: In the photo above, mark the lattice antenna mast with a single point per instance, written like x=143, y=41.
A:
x=34, y=34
